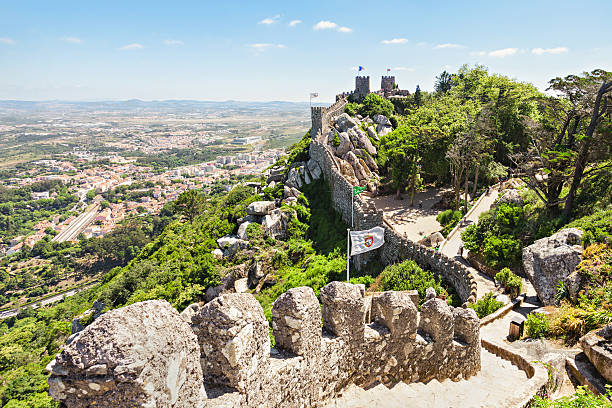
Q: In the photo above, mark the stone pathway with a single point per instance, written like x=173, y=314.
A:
x=493, y=386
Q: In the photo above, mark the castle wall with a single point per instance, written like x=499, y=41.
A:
x=397, y=248
x=387, y=83
x=362, y=86
x=313, y=361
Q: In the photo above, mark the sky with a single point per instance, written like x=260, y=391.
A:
x=283, y=50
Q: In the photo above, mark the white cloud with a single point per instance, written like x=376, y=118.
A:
x=541, y=51
x=504, y=52
x=395, y=41
x=173, y=42
x=6, y=40
x=478, y=53
x=330, y=25
x=448, y=45
x=265, y=46
x=293, y=23
x=133, y=46
x=403, y=69
x=270, y=20
x=73, y=40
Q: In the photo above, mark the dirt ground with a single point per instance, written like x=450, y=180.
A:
x=416, y=223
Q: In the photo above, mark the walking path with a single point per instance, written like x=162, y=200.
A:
x=494, y=386
x=450, y=246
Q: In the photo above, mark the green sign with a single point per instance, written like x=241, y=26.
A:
x=357, y=190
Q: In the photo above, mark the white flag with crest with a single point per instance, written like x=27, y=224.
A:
x=364, y=241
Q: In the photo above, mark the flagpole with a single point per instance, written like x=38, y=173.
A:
x=348, y=252
x=352, y=207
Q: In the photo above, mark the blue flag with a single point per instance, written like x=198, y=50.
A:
x=361, y=68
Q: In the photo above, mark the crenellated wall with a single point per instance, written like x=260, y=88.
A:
x=321, y=117
x=313, y=362
x=397, y=248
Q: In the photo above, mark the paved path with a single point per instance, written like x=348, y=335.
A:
x=493, y=386
x=451, y=246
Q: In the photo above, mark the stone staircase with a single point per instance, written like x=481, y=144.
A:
x=496, y=385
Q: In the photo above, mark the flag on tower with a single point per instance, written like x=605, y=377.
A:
x=314, y=95
x=361, y=68
x=388, y=69
x=368, y=240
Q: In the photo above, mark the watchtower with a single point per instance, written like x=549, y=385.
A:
x=362, y=86
x=387, y=83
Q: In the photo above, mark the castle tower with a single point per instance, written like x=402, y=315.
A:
x=362, y=86
x=387, y=83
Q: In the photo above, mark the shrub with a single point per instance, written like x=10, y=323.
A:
x=485, y=306
x=352, y=108
x=597, y=227
x=409, y=276
x=511, y=282
x=374, y=104
x=336, y=140
x=448, y=219
x=502, y=276
x=501, y=251
x=537, y=326
x=582, y=398
x=366, y=280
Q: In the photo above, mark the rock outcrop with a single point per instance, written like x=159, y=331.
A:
x=597, y=345
x=259, y=208
x=550, y=260
x=142, y=355
x=510, y=196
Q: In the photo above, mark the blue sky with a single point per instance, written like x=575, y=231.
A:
x=267, y=50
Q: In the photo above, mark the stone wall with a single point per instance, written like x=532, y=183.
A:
x=320, y=349
x=321, y=117
x=397, y=248
x=362, y=86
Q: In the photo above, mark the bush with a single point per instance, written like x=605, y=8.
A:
x=449, y=219
x=409, y=276
x=537, y=326
x=352, y=108
x=366, y=280
x=511, y=282
x=485, y=306
x=374, y=104
x=597, y=227
x=501, y=251
x=582, y=398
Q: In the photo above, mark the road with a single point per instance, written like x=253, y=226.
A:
x=52, y=299
x=78, y=224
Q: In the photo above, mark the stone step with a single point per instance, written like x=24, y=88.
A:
x=585, y=373
x=497, y=382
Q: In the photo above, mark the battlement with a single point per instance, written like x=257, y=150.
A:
x=361, y=340
x=362, y=87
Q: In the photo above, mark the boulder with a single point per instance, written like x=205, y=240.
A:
x=344, y=122
x=597, y=345
x=241, y=285
x=510, y=196
x=230, y=245
x=314, y=169
x=307, y=178
x=256, y=273
x=275, y=224
x=272, y=184
x=370, y=162
x=361, y=140
x=142, y=355
x=383, y=130
x=291, y=192
x=344, y=144
x=372, y=133
x=573, y=283
x=217, y=253
x=430, y=293
x=360, y=173
x=242, y=230
x=550, y=260
x=294, y=179
x=275, y=174
x=259, y=208
x=347, y=171
x=381, y=120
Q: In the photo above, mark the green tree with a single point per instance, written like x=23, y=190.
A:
x=374, y=104
x=418, y=97
x=443, y=82
x=190, y=204
x=399, y=154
